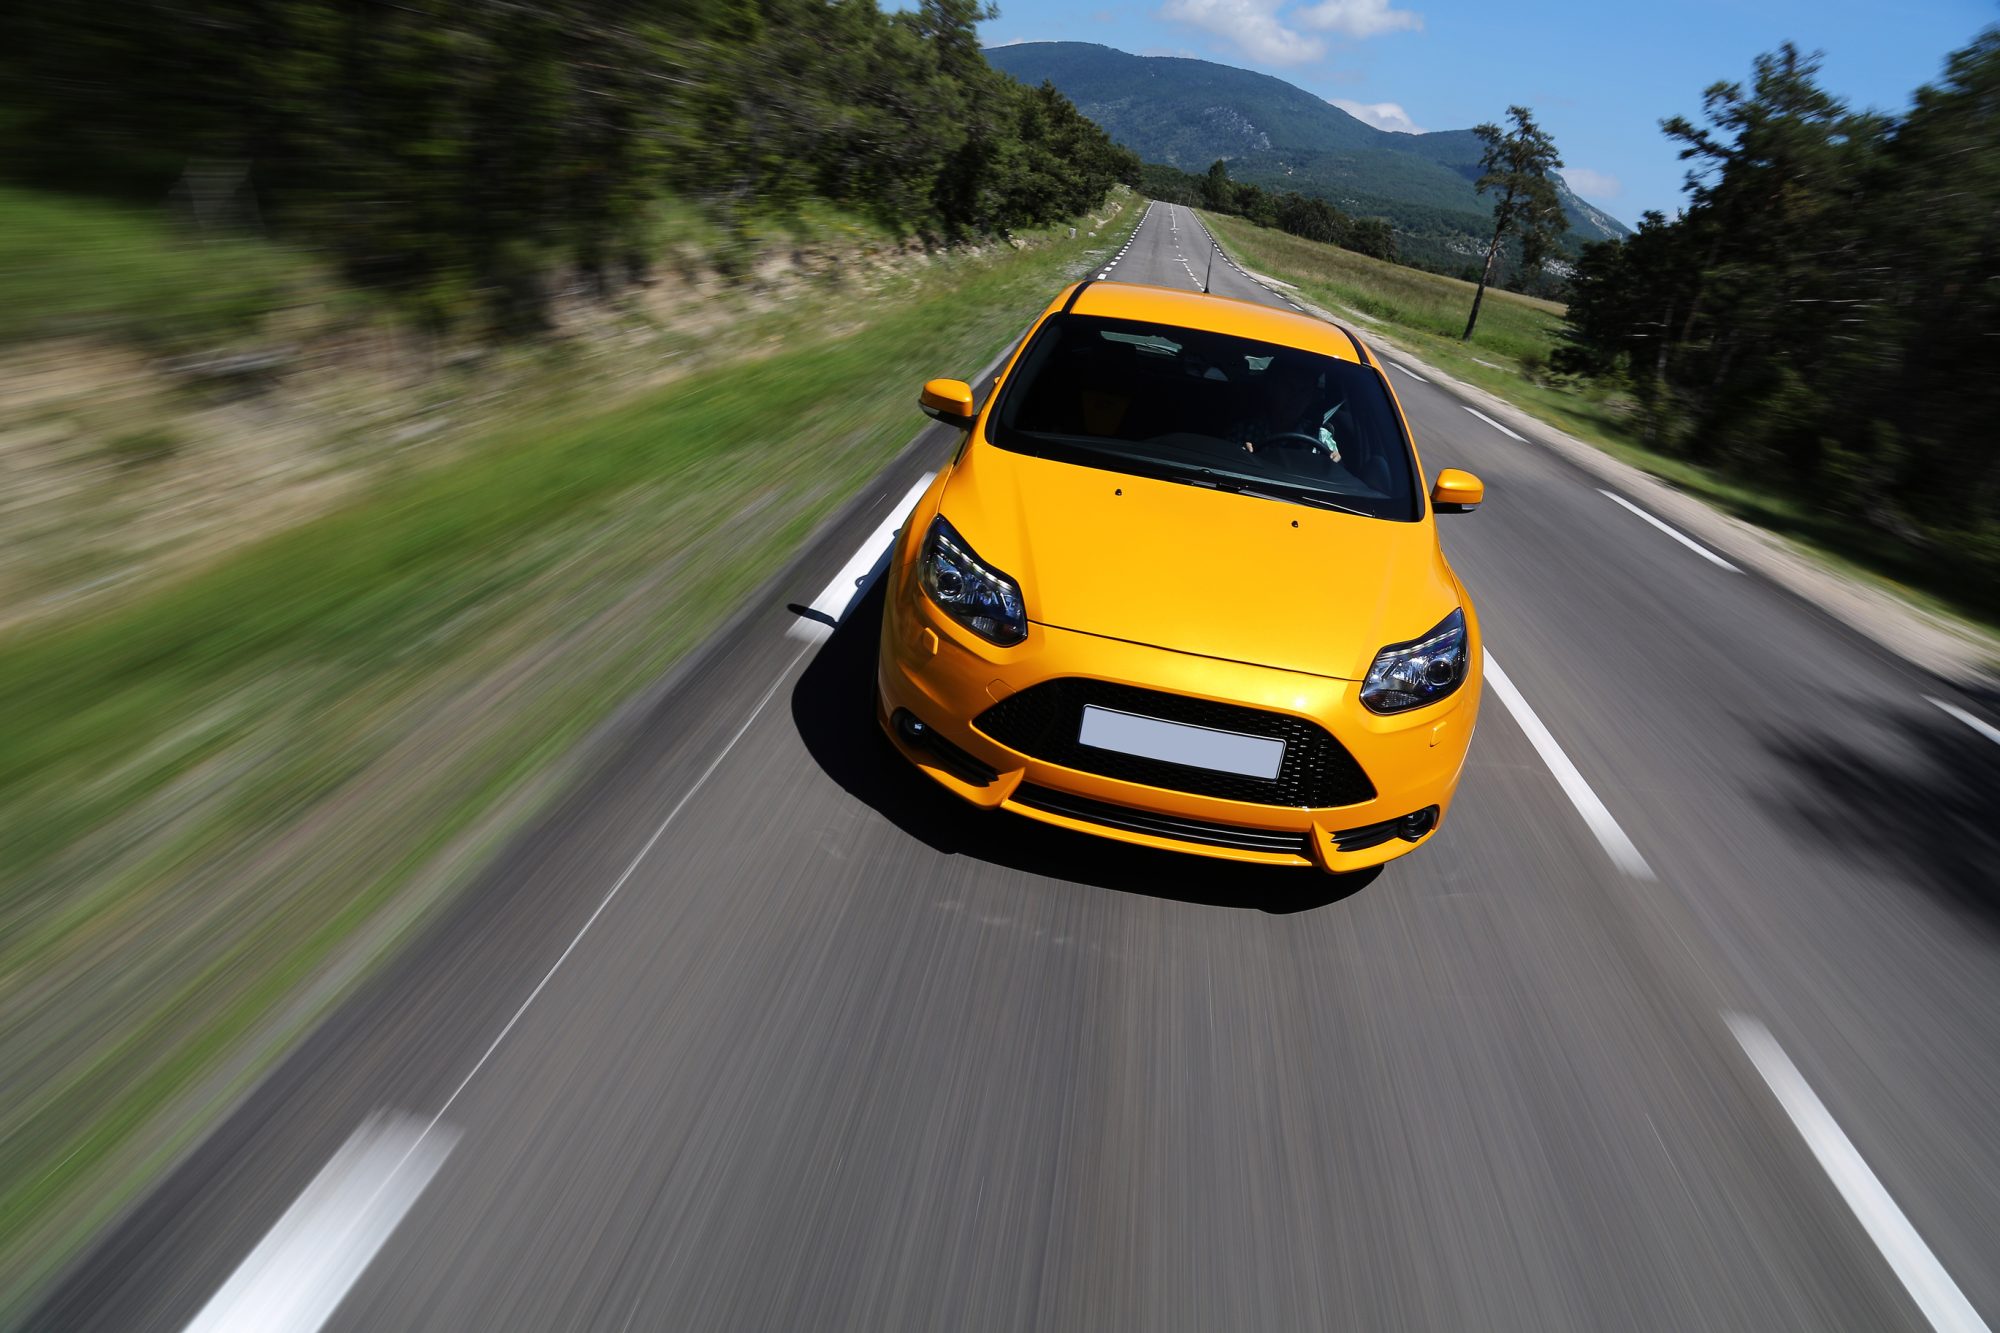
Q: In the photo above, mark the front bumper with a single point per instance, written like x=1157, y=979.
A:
x=935, y=678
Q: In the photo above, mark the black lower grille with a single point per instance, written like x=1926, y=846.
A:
x=1410, y=828
x=1369, y=835
x=1043, y=721
x=1160, y=826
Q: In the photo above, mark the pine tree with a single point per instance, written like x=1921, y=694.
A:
x=1517, y=163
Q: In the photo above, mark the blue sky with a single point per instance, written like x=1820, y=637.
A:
x=1600, y=76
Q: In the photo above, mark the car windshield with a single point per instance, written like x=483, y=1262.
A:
x=1210, y=409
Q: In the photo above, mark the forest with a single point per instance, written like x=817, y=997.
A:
x=1824, y=314
x=465, y=158
x=1303, y=215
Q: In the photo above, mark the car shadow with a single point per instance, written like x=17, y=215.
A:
x=833, y=707
x=1917, y=800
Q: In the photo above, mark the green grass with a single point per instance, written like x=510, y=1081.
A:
x=1508, y=356
x=678, y=229
x=70, y=265
x=222, y=799
x=1510, y=325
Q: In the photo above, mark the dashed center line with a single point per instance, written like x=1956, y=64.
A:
x=1692, y=545
x=1595, y=814
x=1928, y=1284
x=1394, y=365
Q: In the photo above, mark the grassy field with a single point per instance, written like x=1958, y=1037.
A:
x=1510, y=325
x=222, y=804
x=67, y=267
x=71, y=266
x=164, y=399
x=1423, y=309
x=1509, y=355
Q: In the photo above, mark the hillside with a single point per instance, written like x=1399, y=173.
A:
x=1187, y=113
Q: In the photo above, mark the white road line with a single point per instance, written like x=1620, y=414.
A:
x=1623, y=854
x=1496, y=425
x=831, y=606
x=302, y=1270
x=1407, y=371
x=428, y=1146
x=1985, y=729
x=1929, y=1285
x=630, y=870
x=1696, y=547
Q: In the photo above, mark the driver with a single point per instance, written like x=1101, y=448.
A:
x=1288, y=404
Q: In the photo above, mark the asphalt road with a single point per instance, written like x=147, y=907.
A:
x=1690, y=1019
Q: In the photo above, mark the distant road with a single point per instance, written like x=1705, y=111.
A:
x=1689, y=1020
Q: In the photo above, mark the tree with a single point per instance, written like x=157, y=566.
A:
x=1820, y=316
x=1517, y=164
x=1373, y=237
x=1216, y=191
x=474, y=159
x=1313, y=218
x=1169, y=185
x=1252, y=203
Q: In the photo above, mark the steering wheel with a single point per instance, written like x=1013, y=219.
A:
x=1311, y=442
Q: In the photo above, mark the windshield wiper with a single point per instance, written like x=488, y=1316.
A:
x=1315, y=499
x=1188, y=474
x=1222, y=481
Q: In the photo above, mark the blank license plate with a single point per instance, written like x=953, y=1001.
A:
x=1178, y=743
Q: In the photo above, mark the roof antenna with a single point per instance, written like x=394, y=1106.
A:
x=1211, y=268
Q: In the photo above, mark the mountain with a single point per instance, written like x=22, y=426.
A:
x=1187, y=113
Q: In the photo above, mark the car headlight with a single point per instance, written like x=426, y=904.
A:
x=974, y=594
x=1423, y=671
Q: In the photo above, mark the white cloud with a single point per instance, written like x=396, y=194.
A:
x=1593, y=184
x=1011, y=41
x=1359, y=18
x=1269, y=31
x=1252, y=25
x=1382, y=115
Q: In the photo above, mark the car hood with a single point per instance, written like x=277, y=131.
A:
x=1197, y=570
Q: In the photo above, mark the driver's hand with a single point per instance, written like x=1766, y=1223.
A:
x=1249, y=448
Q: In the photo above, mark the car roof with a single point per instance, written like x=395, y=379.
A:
x=1217, y=314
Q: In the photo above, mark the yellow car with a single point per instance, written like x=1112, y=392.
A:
x=1180, y=587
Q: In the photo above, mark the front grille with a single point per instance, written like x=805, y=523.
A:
x=1160, y=826
x=1043, y=721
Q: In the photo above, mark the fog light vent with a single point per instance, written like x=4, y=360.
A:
x=1410, y=828
x=919, y=735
